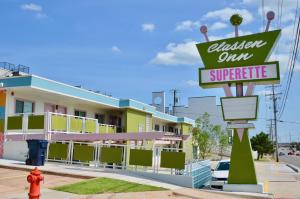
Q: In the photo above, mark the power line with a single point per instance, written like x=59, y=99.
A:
x=291, y=70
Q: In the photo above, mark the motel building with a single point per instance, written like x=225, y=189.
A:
x=87, y=128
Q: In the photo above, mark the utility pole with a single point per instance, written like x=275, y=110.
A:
x=275, y=121
x=174, y=92
x=274, y=99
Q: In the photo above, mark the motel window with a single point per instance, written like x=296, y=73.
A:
x=80, y=113
x=176, y=130
x=23, y=106
x=156, y=127
x=171, y=129
x=100, y=118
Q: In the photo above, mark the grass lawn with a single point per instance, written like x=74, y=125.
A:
x=105, y=185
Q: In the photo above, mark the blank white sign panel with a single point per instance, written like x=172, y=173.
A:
x=239, y=108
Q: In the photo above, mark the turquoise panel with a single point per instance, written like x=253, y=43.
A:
x=16, y=81
x=2, y=112
x=73, y=91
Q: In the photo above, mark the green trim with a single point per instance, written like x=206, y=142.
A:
x=175, y=160
x=256, y=111
x=14, y=123
x=36, y=122
x=260, y=81
x=242, y=170
x=140, y=157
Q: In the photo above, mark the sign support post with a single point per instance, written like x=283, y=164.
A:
x=235, y=61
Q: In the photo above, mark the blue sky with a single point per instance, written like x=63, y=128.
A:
x=131, y=48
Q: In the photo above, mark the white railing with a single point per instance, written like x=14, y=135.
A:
x=61, y=124
x=124, y=165
x=83, y=129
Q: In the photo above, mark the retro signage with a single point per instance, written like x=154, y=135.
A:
x=238, y=51
x=261, y=74
x=239, y=108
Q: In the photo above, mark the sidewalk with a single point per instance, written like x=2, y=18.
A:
x=279, y=179
x=74, y=172
x=84, y=172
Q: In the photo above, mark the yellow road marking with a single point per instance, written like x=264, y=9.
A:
x=266, y=187
x=11, y=177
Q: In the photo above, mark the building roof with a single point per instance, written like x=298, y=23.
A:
x=52, y=86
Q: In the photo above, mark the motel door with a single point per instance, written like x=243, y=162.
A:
x=49, y=108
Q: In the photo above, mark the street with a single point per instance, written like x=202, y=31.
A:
x=290, y=159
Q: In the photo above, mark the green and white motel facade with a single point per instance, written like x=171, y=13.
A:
x=91, y=129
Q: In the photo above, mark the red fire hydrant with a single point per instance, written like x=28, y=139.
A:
x=34, y=178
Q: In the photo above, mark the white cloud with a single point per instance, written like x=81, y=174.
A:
x=192, y=82
x=241, y=33
x=37, y=9
x=225, y=14
x=148, y=27
x=41, y=15
x=32, y=7
x=218, y=26
x=115, y=49
x=178, y=54
x=187, y=25
x=288, y=9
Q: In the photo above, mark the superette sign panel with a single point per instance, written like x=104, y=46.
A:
x=262, y=74
x=249, y=52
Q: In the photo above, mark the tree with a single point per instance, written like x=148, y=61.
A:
x=262, y=144
x=222, y=139
x=203, y=135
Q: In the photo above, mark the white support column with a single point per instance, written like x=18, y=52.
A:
x=68, y=123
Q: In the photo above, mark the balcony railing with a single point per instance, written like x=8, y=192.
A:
x=55, y=123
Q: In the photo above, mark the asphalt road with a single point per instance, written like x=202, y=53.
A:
x=290, y=159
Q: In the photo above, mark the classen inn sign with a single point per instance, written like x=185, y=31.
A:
x=238, y=51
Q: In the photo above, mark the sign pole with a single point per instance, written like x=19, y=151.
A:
x=239, y=60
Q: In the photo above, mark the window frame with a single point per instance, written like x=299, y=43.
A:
x=24, y=100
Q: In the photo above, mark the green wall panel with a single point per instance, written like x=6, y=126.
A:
x=58, y=151
x=188, y=148
x=83, y=153
x=140, y=157
x=185, y=129
x=36, y=122
x=111, y=155
x=75, y=124
x=174, y=160
x=102, y=129
x=134, y=119
x=111, y=129
x=14, y=123
x=90, y=126
x=242, y=170
x=2, y=122
x=58, y=123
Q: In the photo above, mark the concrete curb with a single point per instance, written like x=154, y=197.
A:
x=47, y=172
x=296, y=169
x=201, y=194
